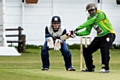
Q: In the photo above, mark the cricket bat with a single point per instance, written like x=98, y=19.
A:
x=68, y=35
x=64, y=37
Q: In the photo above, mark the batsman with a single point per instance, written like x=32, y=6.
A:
x=98, y=20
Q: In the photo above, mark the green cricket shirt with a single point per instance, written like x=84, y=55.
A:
x=99, y=22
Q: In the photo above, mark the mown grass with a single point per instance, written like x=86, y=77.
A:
x=28, y=67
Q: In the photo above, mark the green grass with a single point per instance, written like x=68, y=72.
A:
x=28, y=67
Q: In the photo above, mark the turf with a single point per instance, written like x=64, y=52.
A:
x=28, y=67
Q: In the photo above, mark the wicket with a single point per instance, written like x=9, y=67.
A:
x=81, y=49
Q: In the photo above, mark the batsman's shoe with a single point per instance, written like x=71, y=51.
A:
x=104, y=71
x=45, y=69
x=86, y=70
x=71, y=69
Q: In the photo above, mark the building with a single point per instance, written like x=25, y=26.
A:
x=34, y=17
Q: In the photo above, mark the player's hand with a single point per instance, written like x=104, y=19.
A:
x=76, y=31
x=71, y=34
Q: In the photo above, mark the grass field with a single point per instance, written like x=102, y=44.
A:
x=28, y=67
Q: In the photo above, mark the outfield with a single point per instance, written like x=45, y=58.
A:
x=28, y=67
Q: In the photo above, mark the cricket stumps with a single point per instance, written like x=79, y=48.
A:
x=83, y=41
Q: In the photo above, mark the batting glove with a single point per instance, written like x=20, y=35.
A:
x=76, y=31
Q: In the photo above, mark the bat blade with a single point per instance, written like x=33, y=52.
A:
x=64, y=37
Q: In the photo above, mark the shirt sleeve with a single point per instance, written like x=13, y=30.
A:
x=47, y=34
x=88, y=23
x=64, y=31
x=87, y=31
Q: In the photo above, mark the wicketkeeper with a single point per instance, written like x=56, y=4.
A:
x=56, y=35
x=98, y=20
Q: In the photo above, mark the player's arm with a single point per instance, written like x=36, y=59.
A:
x=87, y=31
x=88, y=23
x=47, y=34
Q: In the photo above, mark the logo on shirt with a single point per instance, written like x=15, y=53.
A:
x=107, y=39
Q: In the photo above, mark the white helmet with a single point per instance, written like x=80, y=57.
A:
x=91, y=6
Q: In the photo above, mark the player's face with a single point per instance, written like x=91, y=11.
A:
x=91, y=12
x=56, y=25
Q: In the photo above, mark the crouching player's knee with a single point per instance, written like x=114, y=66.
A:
x=66, y=53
